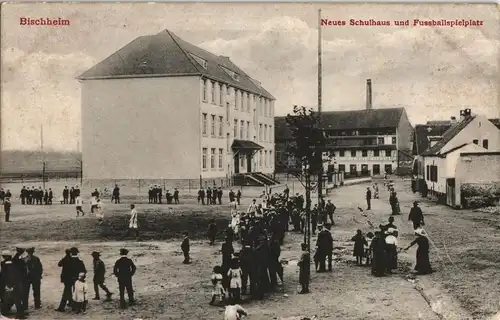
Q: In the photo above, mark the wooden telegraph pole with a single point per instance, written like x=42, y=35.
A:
x=320, y=101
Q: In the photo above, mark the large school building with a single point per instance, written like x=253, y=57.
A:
x=162, y=109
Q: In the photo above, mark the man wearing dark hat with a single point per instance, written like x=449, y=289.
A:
x=6, y=208
x=368, y=198
x=416, y=216
x=185, y=248
x=124, y=270
x=11, y=287
x=72, y=267
x=35, y=272
x=325, y=247
x=99, y=273
x=20, y=265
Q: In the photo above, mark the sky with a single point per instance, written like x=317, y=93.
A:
x=432, y=72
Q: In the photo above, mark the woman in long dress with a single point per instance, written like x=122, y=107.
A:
x=423, y=265
x=392, y=249
x=379, y=262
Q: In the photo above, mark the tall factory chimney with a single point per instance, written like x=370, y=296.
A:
x=368, y=94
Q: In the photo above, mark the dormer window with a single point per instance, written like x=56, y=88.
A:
x=201, y=62
x=231, y=73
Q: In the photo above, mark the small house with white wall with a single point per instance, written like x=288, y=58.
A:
x=473, y=134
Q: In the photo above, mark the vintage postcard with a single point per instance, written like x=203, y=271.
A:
x=249, y=161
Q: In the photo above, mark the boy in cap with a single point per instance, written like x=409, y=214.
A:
x=124, y=270
x=35, y=272
x=185, y=248
x=99, y=273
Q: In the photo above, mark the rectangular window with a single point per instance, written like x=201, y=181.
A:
x=242, y=129
x=221, y=95
x=236, y=99
x=221, y=126
x=213, y=91
x=204, y=124
x=248, y=103
x=265, y=158
x=265, y=132
x=485, y=143
x=260, y=158
x=380, y=140
x=212, y=158
x=248, y=130
x=235, y=128
x=341, y=154
x=475, y=141
x=212, y=129
x=228, y=142
x=221, y=157
x=376, y=169
x=271, y=132
x=260, y=132
x=364, y=153
x=205, y=91
x=427, y=173
x=353, y=153
x=394, y=140
x=341, y=167
x=242, y=161
x=376, y=153
x=204, y=158
x=271, y=159
x=387, y=153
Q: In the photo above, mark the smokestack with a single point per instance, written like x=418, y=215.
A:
x=368, y=94
x=453, y=120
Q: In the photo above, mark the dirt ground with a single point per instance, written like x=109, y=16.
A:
x=167, y=289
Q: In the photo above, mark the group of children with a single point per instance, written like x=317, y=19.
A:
x=234, y=275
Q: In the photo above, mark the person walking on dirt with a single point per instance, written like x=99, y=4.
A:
x=330, y=210
x=6, y=208
x=423, y=265
x=368, y=198
x=416, y=216
x=124, y=270
x=99, y=274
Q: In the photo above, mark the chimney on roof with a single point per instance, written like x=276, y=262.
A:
x=453, y=120
x=368, y=94
x=464, y=114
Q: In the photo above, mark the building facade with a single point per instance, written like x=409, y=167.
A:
x=441, y=173
x=363, y=142
x=162, y=108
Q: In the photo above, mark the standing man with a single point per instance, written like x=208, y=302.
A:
x=51, y=196
x=252, y=208
x=238, y=197
x=6, y=209
x=368, y=198
x=330, y=210
x=304, y=269
x=209, y=195
x=416, y=216
x=201, y=196
x=72, y=266
x=35, y=272
x=99, y=273
x=116, y=194
x=219, y=195
x=133, y=226
x=124, y=270
x=325, y=247
x=231, y=196
x=185, y=248
x=176, y=196
x=65, y=195
x=11, y=281
x=314, y=218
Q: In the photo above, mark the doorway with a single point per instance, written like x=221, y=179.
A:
x=388, y=168
x=236, y=164
x=249, y=162
x=376, y=169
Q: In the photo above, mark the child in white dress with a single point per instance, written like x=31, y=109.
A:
x=99, y=211
x=235, y=275
x=218, y=292
x=80, y=294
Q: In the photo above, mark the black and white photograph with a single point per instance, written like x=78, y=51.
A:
x=260, y=161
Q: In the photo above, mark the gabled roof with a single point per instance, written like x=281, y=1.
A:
x=423, y=131
x=451, y=133
x=362, y=119
x=164, y=54
x=496, y=122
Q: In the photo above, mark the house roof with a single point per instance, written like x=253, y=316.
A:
x=452, y=132
x=245, y=144
x=362, y=119
x=496, y=122
x=165, y=54
x=423, y=131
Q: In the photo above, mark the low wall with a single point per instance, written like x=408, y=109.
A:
x=351, y=182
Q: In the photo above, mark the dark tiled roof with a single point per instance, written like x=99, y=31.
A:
x=245, y=144
x=422, y=132
x=362, y=119
x=165, y=54
x=496, y=122
x=348, y=120
x=447, y=136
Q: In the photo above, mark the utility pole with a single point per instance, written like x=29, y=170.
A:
x=320, y=101
x=43, y=175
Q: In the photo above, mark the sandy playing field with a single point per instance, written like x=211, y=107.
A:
x=167, y=289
